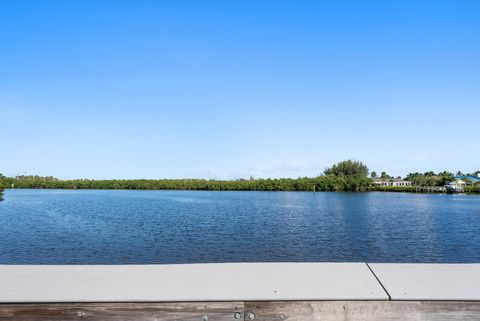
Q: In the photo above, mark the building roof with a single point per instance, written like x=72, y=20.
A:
x=469, y=177
x=389, y=180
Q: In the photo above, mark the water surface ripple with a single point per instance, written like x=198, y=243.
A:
x=123, y=227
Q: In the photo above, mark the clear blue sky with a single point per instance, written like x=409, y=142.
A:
x=228, y=89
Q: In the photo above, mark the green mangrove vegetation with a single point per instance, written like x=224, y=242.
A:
x=1, y=187
x=345, y=176
x=348, y=175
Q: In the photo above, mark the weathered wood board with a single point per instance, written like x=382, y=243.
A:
x=258, y=311
x=363, y=311
x=209, y=311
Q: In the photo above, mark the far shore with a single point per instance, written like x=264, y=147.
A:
x=371, y=189
x=345, y=176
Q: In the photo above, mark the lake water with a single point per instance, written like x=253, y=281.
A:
x=123, y=227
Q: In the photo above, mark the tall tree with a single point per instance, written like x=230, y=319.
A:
x=348, y=168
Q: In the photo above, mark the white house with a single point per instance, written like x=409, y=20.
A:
x=391, y=182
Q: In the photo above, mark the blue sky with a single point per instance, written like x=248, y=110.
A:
x=229, y=89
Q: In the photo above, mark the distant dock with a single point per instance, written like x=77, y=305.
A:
x=241, y=291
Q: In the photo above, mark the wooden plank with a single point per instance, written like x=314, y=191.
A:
x=258, y=311
x=203, y=311
x=362, y=311
x=405, y=281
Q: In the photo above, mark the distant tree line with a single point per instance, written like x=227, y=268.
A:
x=430, y=178
x=320, y=183
x=348, y=175
x=426, y=179
x=1, y=186
x=345, y=176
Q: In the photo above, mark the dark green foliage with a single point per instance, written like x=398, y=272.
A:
x=2, y=178
x=474, y=189
x=348, y=175
x=345, y=176
x=430, y=178
x=321, y=183
x=349, y=168
x=404, y=189
x=384, y=175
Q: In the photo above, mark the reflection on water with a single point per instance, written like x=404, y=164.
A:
x=121, y=227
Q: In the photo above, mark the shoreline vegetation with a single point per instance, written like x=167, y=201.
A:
x=349, y=175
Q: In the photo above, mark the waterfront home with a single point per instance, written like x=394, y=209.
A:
x=391, y=182
x=456, y=186
x=467, y=179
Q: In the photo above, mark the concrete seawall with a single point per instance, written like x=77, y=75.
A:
x=265, y=290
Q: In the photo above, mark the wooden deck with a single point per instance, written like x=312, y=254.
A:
x=255, y=291
x=260, y=311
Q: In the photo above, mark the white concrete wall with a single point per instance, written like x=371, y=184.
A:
x=238, y=282
x=188, y=282
x=430, y=281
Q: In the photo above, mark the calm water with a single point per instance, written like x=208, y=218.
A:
x=119, y=227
